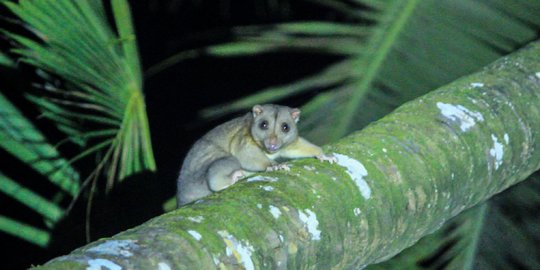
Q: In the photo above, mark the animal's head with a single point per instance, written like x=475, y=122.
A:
x=274, y=126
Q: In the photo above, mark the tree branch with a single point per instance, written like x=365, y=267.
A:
x=395, y=181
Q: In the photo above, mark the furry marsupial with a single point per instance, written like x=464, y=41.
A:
x=242, y=146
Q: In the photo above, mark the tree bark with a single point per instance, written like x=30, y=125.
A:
x=395, y=181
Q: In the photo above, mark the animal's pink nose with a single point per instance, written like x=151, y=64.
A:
x=272, y=144
x=272, y=147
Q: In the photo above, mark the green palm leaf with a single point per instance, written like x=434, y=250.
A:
x=24, y=141
x=25, y=231
x=101, y=100
x=21, y=139
x=49, y=210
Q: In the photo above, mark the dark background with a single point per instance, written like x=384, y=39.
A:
x=173, y=98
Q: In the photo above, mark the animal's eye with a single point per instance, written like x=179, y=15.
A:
x=285, y=127
x=263, y=125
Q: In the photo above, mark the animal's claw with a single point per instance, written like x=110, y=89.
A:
x=278, y=167
x=328, y=158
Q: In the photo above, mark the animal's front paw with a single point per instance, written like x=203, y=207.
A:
x=278, y=167
x=328, y=158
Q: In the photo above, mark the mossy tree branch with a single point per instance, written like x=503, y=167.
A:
x=395, y=181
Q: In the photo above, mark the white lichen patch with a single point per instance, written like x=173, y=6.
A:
x=259, y=206
x=309, y=168
x=196, y=219
x=122, y=248
x=309, y=218
x=163, y=266
x=98, y=264
x=241, y=251
x=195, y=234
x=357, y=211
x=457, y=113
x=477, y=84
x=267, y=188
x=275, y=211
x=356, y=171
x=262, y=178
x=496, y=151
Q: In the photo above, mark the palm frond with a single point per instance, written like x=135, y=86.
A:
x=29, y=233
x=439, y=42
x=102, y=82
x=126, y=35
x=46, y=208
x=24, y=141
x=410, y=48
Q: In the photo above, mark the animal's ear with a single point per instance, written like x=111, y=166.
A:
x=295, y=113
x=257, y=110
